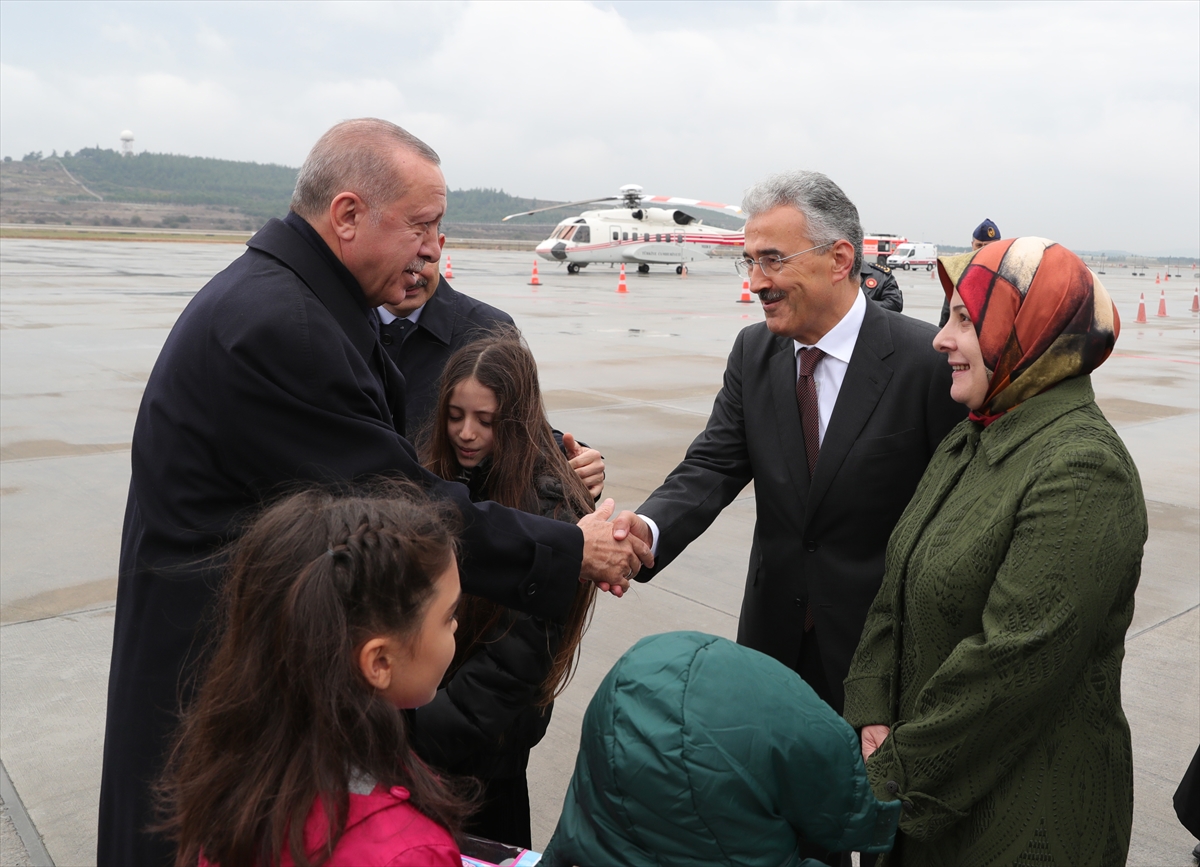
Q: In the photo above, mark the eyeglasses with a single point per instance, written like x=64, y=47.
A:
x=771, y=264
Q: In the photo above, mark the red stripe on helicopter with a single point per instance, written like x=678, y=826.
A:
x=718, y=241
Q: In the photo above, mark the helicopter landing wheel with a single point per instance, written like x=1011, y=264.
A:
x=573, y=268
x=928, y=267
x=643, y=268
x=678, y=269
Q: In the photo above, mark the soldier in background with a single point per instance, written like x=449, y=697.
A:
x=879, y=284
x=984, y=234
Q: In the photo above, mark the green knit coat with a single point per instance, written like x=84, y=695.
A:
x=994, y=647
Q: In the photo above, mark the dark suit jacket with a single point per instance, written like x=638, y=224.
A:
x=449, y=321
x=272, y=376
x=822, y=541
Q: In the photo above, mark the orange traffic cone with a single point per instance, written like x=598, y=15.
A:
x=1141, y=317
x=534, y=281
x=622, y=289
x=449, y=269
x=745, y=299
x=683, y=273
x=1166, y=275
x=1196, y=301
x=1156, y=280
x=1162, y=303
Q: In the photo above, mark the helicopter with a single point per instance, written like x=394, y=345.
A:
x=635, y=232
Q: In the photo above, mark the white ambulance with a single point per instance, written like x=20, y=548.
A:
x=910, y=255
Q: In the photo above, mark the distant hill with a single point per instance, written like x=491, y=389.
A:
x=481, y=205
x=255, y=189
x=150, y=189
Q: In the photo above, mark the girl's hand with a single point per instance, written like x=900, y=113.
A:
x=872, y=738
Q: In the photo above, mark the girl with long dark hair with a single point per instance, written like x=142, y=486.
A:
x=338, y=612
x=490, y=432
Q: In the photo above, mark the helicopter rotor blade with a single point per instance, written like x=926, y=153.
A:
x=563, y=205
x=730, y=210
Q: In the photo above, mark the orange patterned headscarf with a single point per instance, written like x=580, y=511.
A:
x=1040, y=314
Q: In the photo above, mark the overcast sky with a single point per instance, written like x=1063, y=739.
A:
x=1075, y=121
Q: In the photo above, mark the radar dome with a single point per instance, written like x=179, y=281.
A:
x=126, y=136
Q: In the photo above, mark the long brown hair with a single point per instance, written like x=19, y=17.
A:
x=283, y=714
x=524, y=451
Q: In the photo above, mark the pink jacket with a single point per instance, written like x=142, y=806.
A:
x=382, y=830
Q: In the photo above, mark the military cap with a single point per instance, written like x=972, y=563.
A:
x=986, y=232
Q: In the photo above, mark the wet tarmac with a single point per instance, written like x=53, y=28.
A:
x=634, y=375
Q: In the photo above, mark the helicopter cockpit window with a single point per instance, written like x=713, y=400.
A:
x=583, y=235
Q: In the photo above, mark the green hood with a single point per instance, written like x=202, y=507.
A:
x=697, y=750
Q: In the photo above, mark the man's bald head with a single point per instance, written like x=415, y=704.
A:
x=357, y=156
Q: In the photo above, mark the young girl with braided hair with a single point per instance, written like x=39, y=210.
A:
x=338, y=613
x=490, y=431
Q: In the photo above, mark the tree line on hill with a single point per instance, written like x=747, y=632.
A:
x=256, y=189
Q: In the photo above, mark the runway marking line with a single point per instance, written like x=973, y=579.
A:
x=1155, y=358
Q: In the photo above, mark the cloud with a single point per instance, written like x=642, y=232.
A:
x=210, y=40
x=1072, y=120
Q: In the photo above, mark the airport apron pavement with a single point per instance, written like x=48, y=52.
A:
x=632, y=374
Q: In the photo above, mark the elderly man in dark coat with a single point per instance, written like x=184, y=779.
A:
x=422, y=331
x=431, y=323
x=272, y=377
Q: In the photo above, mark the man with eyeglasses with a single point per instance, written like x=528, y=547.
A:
x=832, y=408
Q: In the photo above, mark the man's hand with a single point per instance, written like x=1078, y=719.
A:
x=872, y=738
x=608, y=562
x=587, y=464
x=628, y=523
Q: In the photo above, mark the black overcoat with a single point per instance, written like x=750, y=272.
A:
x=821, y=540
x=272, y=376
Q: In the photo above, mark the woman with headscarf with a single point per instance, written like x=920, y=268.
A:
x=986, y=686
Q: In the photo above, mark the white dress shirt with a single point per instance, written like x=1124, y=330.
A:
x=387, y=317
x=838, y=346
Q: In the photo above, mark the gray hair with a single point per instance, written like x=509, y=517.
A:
x=357, y=156
x=829, y=214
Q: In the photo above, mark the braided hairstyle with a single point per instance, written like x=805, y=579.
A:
x=283, y=714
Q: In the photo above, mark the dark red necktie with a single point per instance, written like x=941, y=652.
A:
x=810, y=413
x=810, y=423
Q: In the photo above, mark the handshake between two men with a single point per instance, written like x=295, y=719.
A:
x=614, y=552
